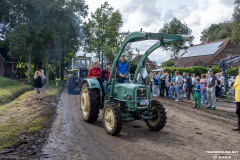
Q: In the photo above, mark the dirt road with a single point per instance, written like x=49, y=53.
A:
x=188, y=134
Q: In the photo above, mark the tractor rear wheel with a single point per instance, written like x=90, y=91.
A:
x=159, y=121
x=90, y=102
x=112, y=119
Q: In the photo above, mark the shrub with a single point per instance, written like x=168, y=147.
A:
x=233, y=71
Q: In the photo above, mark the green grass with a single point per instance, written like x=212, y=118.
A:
x=4, y=82
x=11, y=89
x=14, y=120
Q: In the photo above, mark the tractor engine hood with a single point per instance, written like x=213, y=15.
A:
x=131, y=91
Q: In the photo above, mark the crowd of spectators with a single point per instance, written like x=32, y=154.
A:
x=202, y=88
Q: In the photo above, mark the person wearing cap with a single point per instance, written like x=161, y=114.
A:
x=123, y=69
x=236, y=87
x=211, y=95
x=95, y=71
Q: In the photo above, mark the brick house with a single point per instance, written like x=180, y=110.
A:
x=8, y=67
x=207, y=54
x=149, y=64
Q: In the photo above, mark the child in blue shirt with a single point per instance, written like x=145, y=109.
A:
x=197, y=93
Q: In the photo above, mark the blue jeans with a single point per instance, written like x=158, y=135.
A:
x=178, y=90
x=155, y=93
x=105, y=87
x=203, y=95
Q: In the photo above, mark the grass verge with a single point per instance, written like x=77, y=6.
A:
x=11, y=89
x=26, y=115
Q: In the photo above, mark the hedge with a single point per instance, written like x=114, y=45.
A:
x=198, y=70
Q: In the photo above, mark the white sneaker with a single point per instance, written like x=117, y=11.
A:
x=176, y=100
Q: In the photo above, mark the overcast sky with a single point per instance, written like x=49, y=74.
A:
x=152, y=14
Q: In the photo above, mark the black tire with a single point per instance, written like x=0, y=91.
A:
x=159, y=122
x=71, y=85
x=90, y=103
x=112, y=126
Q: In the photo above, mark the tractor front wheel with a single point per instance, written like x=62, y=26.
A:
x=112, y=119
x=159, y=121
x=90, y=103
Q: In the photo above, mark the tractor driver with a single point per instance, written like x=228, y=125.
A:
x=95, y=71
x=123, y=69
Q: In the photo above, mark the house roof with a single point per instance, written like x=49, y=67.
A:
x=202, y=54
x=147, y=60
x=201, y=50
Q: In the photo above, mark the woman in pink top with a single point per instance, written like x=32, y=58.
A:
x=203, y=82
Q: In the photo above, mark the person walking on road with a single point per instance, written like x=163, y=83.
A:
x=211, y=95
x=38, y=85
x=236, y=87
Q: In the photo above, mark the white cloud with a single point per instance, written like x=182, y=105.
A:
x=152, y=14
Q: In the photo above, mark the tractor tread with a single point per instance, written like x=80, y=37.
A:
x=163, y=118
x=118, y=119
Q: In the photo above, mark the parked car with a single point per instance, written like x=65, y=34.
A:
x=231, y=80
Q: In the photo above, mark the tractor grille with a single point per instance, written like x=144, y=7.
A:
x=141, y=93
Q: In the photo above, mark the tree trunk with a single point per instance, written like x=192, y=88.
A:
x=29, y=64
x=47, y=73
x=62, y=67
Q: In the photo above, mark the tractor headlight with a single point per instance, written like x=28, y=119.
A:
x=127, y=96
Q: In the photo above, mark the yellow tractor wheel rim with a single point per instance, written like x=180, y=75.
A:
x=85, y=103
x=154, y=122
x=109, y=119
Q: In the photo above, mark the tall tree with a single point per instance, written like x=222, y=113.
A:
x=236, y=23
x=45, y=29
x=175, y=26
x=102, y=31
x=216, y=32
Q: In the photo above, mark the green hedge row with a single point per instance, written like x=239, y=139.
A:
x=198, y=70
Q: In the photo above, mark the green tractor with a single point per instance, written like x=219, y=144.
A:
x=126, y=101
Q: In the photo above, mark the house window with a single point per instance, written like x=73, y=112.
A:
x=229, y=55
x=147, y=64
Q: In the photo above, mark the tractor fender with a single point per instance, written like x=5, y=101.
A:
x=92, y=83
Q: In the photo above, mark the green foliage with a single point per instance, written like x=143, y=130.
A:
x=102, y=31
x=11, y=89
x=167, y=63
x=52, y=75
x=43, y=31
x=236, y=23
x=175, y=26
x=198, y=70
x=216, y=32
x=233, y=71
x=4, y=82
x=216, y=69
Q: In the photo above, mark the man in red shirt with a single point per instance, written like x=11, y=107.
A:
x=95, y=71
